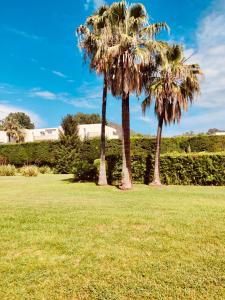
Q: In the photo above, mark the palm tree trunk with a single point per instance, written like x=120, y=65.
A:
x=156, y=179
x=126, y=169
x=102, y=180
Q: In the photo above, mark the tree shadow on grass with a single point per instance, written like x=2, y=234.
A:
x=72, y=180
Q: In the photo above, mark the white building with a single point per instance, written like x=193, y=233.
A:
x=220, y=133
x=94, y=130
x=45, y=134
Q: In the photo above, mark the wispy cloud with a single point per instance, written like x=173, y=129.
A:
x=87, y=96
x=24, y=34
x=43, y=94
x=146, y=119
x=93, y=3
x=58, y=73
x=80, y=103
x=209, y=54
x=87, y=4
x=5, y=109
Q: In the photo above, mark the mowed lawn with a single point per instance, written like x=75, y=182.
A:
x=63, y=240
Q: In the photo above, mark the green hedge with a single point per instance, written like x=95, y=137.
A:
x=44, y=153
x=38, y=153
x=176, y=169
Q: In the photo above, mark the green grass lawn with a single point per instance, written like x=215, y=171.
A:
x=63, y=240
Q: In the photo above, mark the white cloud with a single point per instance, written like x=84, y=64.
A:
x=60, y=74
x=87, y=4
x=93, y=3
x=88, y=96
x=43, y=94
x=6, y=109
x=146, y=119
x=24, y=34
x=210, y=54
x=98, y=3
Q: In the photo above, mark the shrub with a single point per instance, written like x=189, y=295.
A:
x=84, y=171
x=45, y=170
x=62, y=155
x=29, y=171
x=7, y=170
x=3, y=160
x=37, y=153
x=176, y=169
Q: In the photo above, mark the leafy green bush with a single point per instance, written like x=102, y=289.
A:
x=3, y=160
x=37, y=153
x=84, y=171
x=45, y=170
x=62, y=155
x=29, y=171
x=7, y=170
x=176, y=169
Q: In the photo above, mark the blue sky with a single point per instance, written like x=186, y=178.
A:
x=42, y=73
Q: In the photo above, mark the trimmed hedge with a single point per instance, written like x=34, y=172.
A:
x=38, y=153
x=45, y=153
x=176, y=169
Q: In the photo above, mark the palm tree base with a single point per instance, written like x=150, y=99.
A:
x=102, y=184
x=125, y=188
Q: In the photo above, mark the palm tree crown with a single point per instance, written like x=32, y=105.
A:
x=173, y=86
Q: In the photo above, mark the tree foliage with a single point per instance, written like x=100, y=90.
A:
x=82, y=118
x=22, y=119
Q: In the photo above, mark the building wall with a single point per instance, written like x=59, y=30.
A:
x=3, y=137
x=220, y=133
x=46, y=134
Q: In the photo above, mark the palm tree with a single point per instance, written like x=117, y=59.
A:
x=132, y=48
x=119, y=42
x=13, y=130
x=173, y=87
x=92, y=41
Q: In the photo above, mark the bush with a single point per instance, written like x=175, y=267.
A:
x=7, y=170
x=45, y=170
x=3, y=160
x=84, y=171
x=62, y=155
x=176, y=169
x=37, y=153
x=29, y=171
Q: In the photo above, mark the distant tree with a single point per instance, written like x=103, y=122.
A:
x=22, y=119
x=212, y=131
x=69, y=125
x=189, y=133
x=69, y=147
x=13, y=130
x=82, y=118
x=1, y=124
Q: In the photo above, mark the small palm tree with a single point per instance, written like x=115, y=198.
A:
x=92, y=42
x=173, y=87
x=13, y=130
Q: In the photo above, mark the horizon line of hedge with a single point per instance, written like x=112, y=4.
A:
x=45, y=152
x=175, y=169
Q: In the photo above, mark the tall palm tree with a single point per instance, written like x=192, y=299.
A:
x=119, y=42
x=173, y=87
x=132, y=48
x=92, y=42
